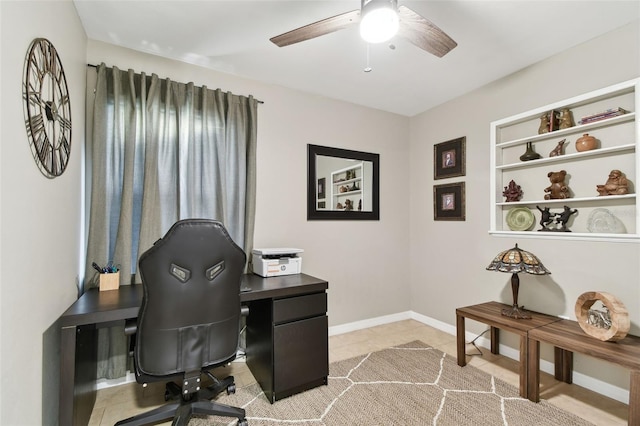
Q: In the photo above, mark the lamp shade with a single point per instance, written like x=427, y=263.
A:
x=516, y=260
x=379, y=20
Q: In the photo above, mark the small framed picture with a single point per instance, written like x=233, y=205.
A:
x=448, y=201
x=449, y=159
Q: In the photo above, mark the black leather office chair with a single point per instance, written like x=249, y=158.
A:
x=189, y=319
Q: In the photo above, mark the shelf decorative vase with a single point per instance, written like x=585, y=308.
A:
x=530, y=154
x=586, y=143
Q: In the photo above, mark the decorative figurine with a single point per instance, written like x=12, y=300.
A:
x=563, y=218
x=599, y=318
x=530, y=153
x=555, y=222
x=546, y=218
x=549, y=122
x=558, y=149
x=512, y=192
x=566, y=120
x=558, y=189
x=544, y=124
x=347, y=205
x=617, y=184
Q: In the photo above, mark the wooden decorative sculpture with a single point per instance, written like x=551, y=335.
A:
x=566, y=120
x=544, y=124
x=558, y=189
x=609, y=324
x=617, y=184
x=558, y=149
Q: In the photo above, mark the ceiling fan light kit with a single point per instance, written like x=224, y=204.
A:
x=379, y=20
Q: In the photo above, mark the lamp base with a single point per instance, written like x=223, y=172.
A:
x=516, y=312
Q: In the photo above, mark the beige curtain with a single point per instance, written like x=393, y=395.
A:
x=161, y=151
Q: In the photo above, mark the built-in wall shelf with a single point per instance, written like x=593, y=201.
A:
x=598, y=218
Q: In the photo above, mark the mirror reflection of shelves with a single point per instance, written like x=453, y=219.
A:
x=347, y=188
x=596, y=217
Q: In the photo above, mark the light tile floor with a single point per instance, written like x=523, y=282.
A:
x=115, y=403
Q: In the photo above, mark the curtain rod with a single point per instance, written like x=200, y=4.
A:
x=96, y=67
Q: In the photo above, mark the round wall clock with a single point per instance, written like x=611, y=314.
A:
x=47, y=109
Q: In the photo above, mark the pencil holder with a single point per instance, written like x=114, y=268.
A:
x=109, y=281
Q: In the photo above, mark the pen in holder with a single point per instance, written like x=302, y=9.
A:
x=109, y=281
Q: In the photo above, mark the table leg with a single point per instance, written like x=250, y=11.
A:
x=533, y=370
x=563, y=365
x=558, y=362
x=495, y=340
x=78, y=355
x=524, y=350
x=460, y=340
x=567, y=367
x=67, y=375
x=634, y=398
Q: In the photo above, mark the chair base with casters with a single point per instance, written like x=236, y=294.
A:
x=190, y=399
x=198, y=401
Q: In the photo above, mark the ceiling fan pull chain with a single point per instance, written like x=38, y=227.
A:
x=367, y=68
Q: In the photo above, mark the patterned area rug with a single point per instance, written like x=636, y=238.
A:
x=410, y=384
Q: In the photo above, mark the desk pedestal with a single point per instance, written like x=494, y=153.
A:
x=288, y=344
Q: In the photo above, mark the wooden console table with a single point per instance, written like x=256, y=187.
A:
x=490, y=313
x=568, y=337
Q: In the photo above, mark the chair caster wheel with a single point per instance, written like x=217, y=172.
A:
x=231, y=389
x=243, y=422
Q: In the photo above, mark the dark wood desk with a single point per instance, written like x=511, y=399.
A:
x=568, y=337
x=490, y=313
x=96, y=309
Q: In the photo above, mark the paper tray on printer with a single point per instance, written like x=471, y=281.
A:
x=275, y=253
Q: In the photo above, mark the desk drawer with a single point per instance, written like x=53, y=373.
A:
x=301, y=356
x=299, y=307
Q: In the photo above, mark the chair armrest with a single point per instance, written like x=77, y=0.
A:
x=130, y=326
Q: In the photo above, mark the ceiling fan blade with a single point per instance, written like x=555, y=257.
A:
x=317, y=29
x=423, y=33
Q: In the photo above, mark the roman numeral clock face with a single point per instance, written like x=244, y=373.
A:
x=47, y=108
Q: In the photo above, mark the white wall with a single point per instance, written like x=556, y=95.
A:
x=448, y=259
x=40, y=217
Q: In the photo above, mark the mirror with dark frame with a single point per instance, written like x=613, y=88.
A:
x=342, y=184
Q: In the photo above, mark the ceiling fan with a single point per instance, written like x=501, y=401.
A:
x=379, y=21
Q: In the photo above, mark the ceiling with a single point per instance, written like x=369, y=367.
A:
x=495, y=38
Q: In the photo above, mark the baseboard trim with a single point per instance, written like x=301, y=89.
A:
x=604, y=388
x=109, y=383
x=371, y=322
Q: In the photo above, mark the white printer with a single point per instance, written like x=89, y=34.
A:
x=272, y=262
